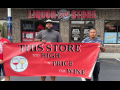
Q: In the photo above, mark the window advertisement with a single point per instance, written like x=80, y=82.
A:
x=28, y=26
x=110, y=37
x=36, y=33
x=27, y=36
x=76, y=34
x=55, y=27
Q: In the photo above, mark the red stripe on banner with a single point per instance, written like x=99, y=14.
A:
x=50, y=59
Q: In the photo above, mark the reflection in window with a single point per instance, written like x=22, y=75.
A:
x=77, y=22
x=56, y=26
x=39, y=25
x=27, y=25
x=110, y=26
x=89, y=22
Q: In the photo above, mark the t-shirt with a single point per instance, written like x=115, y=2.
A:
x=1, y=47
x=96, y=40
x=49, y=36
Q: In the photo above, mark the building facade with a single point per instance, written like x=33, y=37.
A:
x=72, y=24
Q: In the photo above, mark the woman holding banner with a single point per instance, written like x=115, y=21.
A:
x=3, y=41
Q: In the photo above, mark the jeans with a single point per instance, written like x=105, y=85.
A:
x=95, y=72
x=2, y=68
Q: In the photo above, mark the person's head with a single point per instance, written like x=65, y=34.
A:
x=93, y=33
x=49, y=25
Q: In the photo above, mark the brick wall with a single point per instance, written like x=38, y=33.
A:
x=64, y=30
x=3, y=13
x=17, y=15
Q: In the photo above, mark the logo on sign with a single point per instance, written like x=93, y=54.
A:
x=64, y=15
x=19, y=63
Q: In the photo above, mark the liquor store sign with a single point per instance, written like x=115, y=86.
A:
x=61, y=14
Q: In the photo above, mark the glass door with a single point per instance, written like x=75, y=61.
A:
x=85, y=32
x=79, y=32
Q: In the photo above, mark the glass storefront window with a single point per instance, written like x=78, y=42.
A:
x=82, y=22
x=27, y=25
x=30, y=28
x=27, y=31
x=39, y=25
x=85, y=33
x=77, y=22
x=110, y=26
x=56, y=26
x=112, y=32
x=90, y=22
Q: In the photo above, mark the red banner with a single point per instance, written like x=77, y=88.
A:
x=50, y=59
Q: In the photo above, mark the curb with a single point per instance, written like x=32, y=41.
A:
x=109, y=55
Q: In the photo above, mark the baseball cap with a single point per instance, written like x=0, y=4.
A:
x=49, y=21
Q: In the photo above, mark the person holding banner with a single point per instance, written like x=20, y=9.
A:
x=93, y=39
x=3, y=41
x=48, y=35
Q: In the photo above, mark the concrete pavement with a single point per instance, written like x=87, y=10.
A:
x=110, y=55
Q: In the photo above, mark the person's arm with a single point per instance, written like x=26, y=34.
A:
x=1, y=61
x=5, y=42
x=102, y=48
x=59, y=38
x=38, y=37
x=37, y=40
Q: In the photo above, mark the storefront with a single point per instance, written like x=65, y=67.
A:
x=72, y=24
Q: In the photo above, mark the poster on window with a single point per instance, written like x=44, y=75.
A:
x=110, y=37
x=118, y=37
x=55, y=27
x=36, y=33
x=28, y=26
x=75, y=34
x=27, y=36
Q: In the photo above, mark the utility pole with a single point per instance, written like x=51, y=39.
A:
x=9, y=24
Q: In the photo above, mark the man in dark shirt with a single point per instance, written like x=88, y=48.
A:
x=48, y=35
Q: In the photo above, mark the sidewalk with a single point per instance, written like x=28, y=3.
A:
x=110, y=55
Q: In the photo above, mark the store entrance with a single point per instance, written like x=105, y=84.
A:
x=79, y=32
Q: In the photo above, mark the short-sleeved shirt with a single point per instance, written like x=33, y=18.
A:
x=1, y=46
x=96, y=40
x=49, y=36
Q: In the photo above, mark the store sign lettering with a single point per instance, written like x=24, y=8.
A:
x=62, y=14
